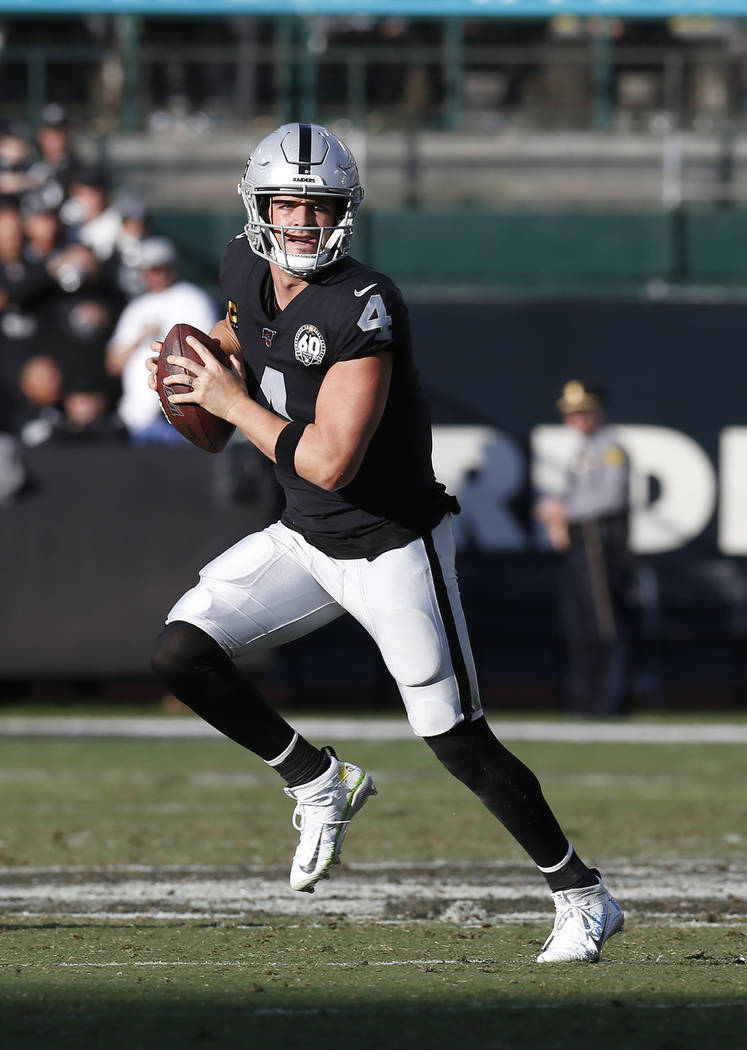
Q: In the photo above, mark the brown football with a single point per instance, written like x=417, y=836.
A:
x=193, y=422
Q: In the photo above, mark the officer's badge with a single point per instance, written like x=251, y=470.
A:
x=309, y=346
x=268, y=334
x=613, y=456
x=233, y=314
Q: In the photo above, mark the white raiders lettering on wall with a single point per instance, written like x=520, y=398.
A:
x=675, y=487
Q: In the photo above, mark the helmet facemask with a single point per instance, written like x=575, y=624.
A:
x=271, y=241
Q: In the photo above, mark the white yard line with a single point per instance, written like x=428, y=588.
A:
x=332, y=728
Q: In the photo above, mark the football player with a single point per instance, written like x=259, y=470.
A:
x=323, y=383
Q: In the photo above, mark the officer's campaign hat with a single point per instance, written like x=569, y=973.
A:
x=577, y=397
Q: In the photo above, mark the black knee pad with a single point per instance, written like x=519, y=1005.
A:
x=462, y=750
x=182, y=650
x=204, y=677
x=471, y=752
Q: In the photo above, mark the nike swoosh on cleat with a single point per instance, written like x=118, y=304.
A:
x=363, y=291
x=307, y=869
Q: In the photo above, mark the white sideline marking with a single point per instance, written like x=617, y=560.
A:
x=193, y=728
x=505, y=870
x=477, y=893
x=519, y=918
x=351, y=896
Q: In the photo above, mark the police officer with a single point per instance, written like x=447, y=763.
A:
x=590, y=525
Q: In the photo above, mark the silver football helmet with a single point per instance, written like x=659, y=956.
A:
x=301, y=160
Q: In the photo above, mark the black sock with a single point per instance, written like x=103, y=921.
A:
x=303, y=763
x=572, y=875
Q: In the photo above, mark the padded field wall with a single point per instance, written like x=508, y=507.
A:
x=106, y=539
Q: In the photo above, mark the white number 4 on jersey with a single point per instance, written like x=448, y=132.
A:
x=375, y=317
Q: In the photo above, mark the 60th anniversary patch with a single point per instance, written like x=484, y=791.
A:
x=309, y=346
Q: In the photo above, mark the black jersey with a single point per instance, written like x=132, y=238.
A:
x=346, y=312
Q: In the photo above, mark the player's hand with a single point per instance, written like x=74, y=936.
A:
x=218, y=389
x=152, y=364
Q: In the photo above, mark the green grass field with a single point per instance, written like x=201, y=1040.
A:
x=144, y=902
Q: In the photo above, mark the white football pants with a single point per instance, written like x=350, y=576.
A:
x=272, y=587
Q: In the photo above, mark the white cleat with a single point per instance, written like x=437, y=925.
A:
x=324, y=809
x=584, y=919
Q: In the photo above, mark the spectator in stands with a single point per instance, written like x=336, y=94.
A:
x=12, y=470
x=125, y=263
x=88, y=416
x=44, y=233
x=92, y=217
x=18, y=325
x=15, y=156
x=58, y=159
x=75, y=304
x=41, y=386
x=166, y=302
x=589, y=525
x=80, y=411
x=134, y=214
x=11, y=248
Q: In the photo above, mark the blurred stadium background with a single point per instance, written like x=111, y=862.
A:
x=560, y=188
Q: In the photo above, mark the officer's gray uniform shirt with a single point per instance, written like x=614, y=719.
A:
x=598, y=478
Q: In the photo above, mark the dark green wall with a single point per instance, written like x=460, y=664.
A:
x=532, y=251
x=481, y=249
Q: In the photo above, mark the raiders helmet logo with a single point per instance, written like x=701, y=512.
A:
x=268, y=334
x=309, y=346
x=233, y=314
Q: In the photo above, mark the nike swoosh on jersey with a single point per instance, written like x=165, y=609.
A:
x=363, y=291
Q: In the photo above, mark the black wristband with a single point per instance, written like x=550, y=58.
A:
x=285, y=446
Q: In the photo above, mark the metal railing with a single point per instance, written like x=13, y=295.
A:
x=123, y=81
